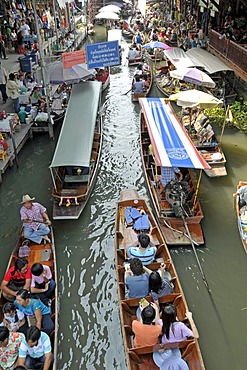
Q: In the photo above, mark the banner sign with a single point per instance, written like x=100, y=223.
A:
x=72, y=58
x=103, y=54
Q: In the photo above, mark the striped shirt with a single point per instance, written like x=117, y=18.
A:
x=147, y=256
x=43, y=347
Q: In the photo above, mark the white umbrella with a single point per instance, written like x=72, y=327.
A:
x=194, y=98
x=110, y=8
x=74, y=74
x=194, y=76
x=107, y=15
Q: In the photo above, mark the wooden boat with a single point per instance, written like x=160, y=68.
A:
x=142, y=357
x=76, y=158
x=103, y=75
x=45, y=254
x=173, y=225
x=136, y=61
x=241, y=225
x=135, y=97
x=204, y=138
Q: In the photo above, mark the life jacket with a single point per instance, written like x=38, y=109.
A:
x=138, y=221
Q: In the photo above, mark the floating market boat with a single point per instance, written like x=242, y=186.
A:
x=142, y=357
x=149, y=76
x=76, y=158
x=46, y=255
x=164, y=142
x=242, y=217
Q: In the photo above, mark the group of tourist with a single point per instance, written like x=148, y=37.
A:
x=27, y=322
x=152, y=326
x=142, y=79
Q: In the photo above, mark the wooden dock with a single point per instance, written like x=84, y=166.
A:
x=20, y=137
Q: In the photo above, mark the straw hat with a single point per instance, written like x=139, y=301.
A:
x=169, y=360
x=26, y=198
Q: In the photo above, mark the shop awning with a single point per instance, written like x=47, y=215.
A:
x=74, y=145
x=209, y=62
x=178, y=58
x=171, y=144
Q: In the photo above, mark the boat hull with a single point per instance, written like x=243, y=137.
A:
x=242, y=232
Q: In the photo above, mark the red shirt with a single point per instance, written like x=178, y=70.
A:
x=17, y=277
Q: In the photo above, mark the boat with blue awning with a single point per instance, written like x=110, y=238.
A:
x=76, y=157
x=166, y=144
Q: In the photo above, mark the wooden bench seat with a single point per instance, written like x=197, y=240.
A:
x=76, y=178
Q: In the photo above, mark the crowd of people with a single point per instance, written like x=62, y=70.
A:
x=27, y=322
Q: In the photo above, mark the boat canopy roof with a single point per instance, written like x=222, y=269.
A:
x=209, y=62
x=115, y=35
x=74, y=144
x=171, y=144
x=178, y=58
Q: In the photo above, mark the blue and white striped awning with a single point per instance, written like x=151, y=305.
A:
x=171, y=144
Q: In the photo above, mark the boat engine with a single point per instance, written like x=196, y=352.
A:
x=176, y=196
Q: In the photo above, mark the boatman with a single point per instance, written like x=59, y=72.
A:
x=35, y=220
x=168, y=174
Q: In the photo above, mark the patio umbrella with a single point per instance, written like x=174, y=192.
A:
x=157, y=45
x=107, y=15
x=110, y=8
x=194, y=98
x=74, y=74
x=194, y=76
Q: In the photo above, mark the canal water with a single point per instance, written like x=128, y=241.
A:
x=89, y=328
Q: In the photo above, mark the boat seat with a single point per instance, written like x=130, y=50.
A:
x=76, y=178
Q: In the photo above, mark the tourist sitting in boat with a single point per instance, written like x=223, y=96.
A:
x=144, y=251
x=13, y=318
x=35, y=220
x=167, y=175
x=242, y=192
x=9, y=347
x=17, y=277
x=35, y=350
x=138, y=71
x=34, y=307
x=159, y=286
x=35, y=97
x=42, y=284
x=172, y=330
x=136, y=279
x=138, y=85
x=147, y=330
x=133, y=53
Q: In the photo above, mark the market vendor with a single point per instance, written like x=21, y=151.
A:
x=35, y=98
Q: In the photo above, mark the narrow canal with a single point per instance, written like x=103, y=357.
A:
x=89, y=328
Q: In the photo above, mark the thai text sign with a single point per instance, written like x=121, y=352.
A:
x=72, y=58
x=103, y=54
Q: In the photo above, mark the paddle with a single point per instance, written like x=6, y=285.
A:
x=127, y=91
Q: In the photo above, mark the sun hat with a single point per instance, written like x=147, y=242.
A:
x=170, y=360
x=26, y=198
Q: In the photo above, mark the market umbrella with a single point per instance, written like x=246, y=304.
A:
x=74, y=74
x=194, y=98
x=157, y=45
x=107, y=15
x=110, y=8
x=194, y=76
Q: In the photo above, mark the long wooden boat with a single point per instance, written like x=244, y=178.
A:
x=136, y=61
x=142, y=358
x=76, y=158
x=135, y=97
x=160, y=129
x=46, y=255
x=242, y=226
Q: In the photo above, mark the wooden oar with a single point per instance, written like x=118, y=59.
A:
x=127, y=91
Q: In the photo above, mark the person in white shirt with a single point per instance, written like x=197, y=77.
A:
x=3, y=81
x=25, y=29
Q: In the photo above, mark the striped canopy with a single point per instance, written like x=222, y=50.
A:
x=171, y=144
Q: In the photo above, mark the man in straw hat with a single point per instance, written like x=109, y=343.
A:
x=35, y=220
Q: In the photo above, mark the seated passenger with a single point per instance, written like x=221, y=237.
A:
x=143, y=251
x=173, y=330
x=42, y=284
x=136, y=279
x=159, y=287
x=138, y=85
x=131, y=54
x=9, y=346
x=13, y=318
x=17, y=277
x=147, y=330
x=35, y=350
x=34, y=307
